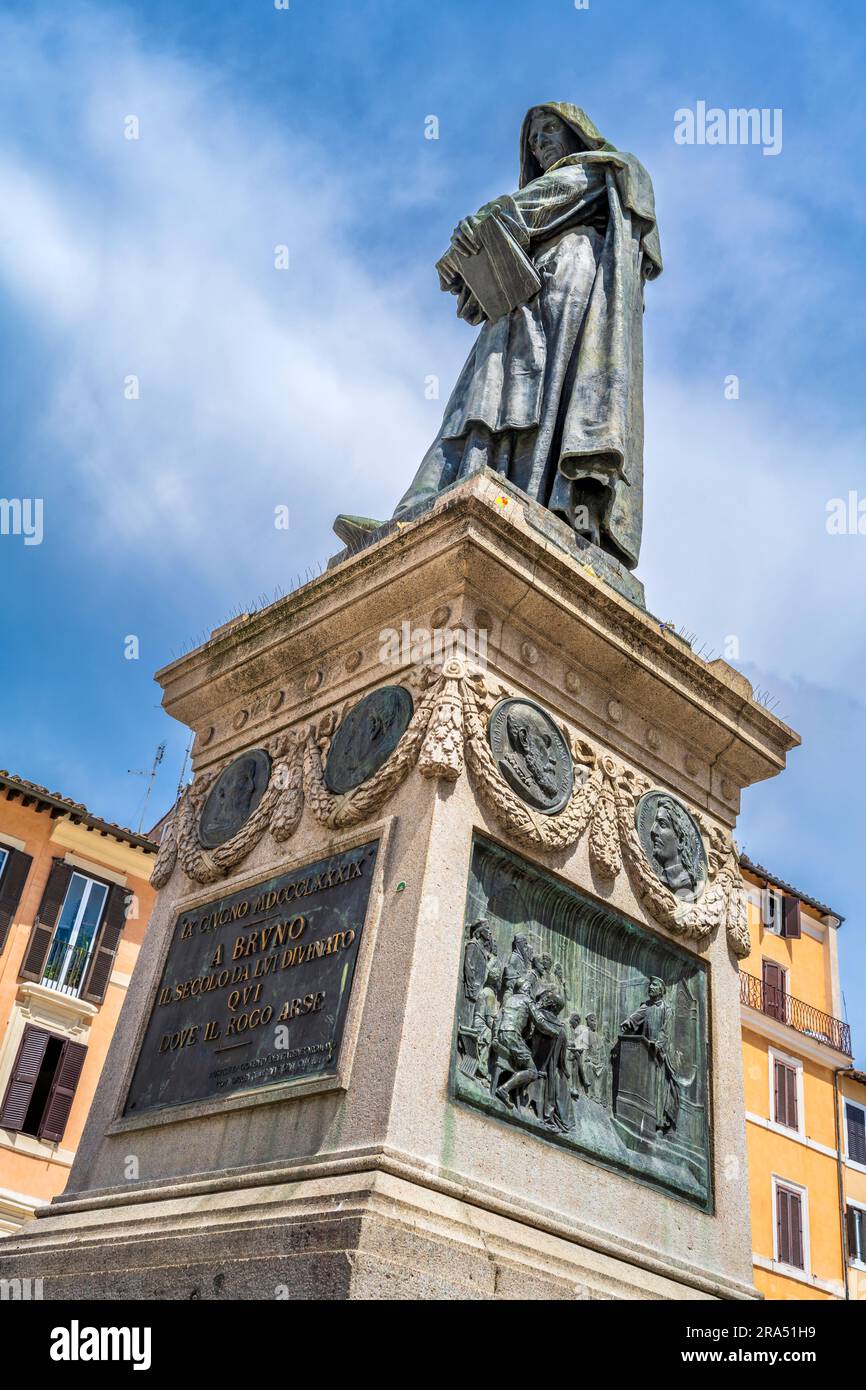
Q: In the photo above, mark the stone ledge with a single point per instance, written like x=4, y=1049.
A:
x=360, y=1236
x=238, y=1193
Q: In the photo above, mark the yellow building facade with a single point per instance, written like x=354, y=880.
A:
x=74, y=904
x=805, y=1102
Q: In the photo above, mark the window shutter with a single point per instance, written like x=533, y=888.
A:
x=11, y=887
x=774, y=993
x=796, y=1207
x=783, y=1226
x=789, y=1220
x=791, y=1097
x=791, y=918
x=62, y=1092
x=779, y=1093
x=851, y=1230
x=45, y=921
x=25, y=1074
x=113, y=922
x=855, y=1120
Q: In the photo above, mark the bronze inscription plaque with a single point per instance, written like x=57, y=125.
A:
x=256, y=986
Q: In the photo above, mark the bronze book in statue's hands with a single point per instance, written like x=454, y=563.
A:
x=500, y=275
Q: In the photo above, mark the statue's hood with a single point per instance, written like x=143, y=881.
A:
x=632, y=181
x=577, y=120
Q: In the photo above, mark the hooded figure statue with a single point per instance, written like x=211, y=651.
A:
x=551, y=395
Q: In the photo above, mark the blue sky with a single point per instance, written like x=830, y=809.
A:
x=305, y=127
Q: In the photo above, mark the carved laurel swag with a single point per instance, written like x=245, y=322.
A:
x=279, y=810
x=449, y=724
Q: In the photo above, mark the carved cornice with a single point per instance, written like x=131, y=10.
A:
x=464, y=536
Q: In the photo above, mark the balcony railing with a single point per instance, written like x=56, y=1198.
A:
x=65, y=967
x=775, y=1003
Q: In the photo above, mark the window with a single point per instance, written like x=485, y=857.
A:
x=785, y=1109
x=75, y=933
x=855, y=1130
x=780, y=913
x=42, y=1086
x=774, y=996
x=789, y=1227
x=856, y=1225
x=771, y=910
x=4, y=855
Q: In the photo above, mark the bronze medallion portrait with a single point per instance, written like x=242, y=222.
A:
x=672, y=843
x=531, y=754
x=367, y=737
x=233, y=797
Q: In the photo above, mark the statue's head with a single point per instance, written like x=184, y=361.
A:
x=550, y=1000
x=671, y=837
x=479, y=931
x=656, y=989
x=591, y=1021
x=239, y=787
x=532, y=741
x=550, y=139
x=574, y=1020
x=552, y=131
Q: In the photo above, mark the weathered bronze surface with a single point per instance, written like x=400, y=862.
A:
x=256, y=986
x=551, y=395
x=367, y=736
x=672, y=843
x=531, y=754
x=234, y=796
x=582, y=1027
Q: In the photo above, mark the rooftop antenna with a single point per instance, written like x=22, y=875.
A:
x=151, y=778
x=182, y=779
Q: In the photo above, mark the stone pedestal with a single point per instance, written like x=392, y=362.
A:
x=382, y=1165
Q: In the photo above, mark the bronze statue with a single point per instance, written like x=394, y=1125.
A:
x=551, y=395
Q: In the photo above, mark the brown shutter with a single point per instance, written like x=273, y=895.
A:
x=796, y=1230
x=789, y=1220
x=779, y=1093
x=785, y=1094
x=791, y=1098
x=774, y=993
x=791, y=918
x=11, y=887
x=855, y=1122
x=783, y=1226
x=45, y=921
x=62, y=1092
x=113, y=922
x=25, y=1074
x=851, y=1229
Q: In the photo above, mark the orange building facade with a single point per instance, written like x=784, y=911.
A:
x=805, y=1101
x=74, y=904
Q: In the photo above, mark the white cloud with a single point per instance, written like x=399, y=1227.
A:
x=155, y=258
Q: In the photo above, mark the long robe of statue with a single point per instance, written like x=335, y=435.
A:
x=551, y=395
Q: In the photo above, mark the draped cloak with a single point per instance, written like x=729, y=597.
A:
x=552, y=393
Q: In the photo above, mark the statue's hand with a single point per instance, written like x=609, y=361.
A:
x=464, y=238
